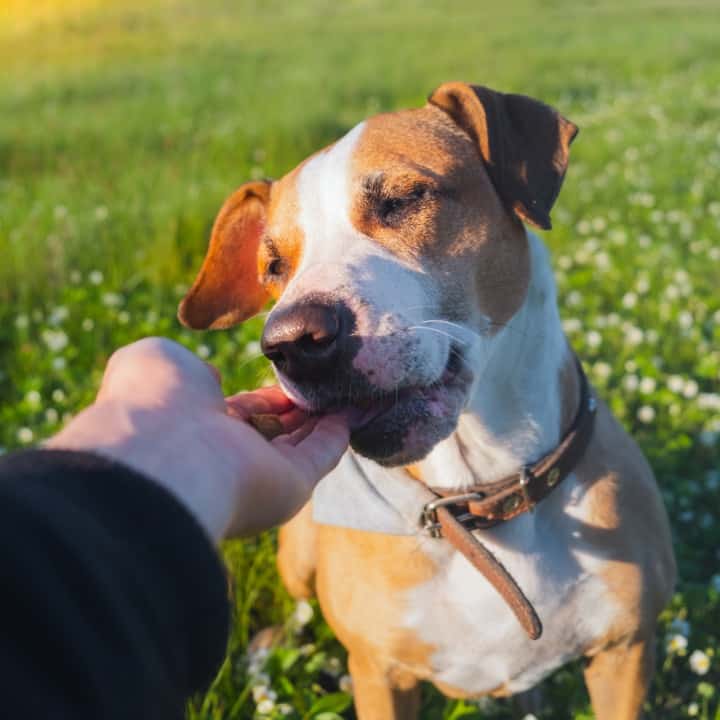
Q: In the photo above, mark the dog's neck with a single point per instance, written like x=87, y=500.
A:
x=524, y=396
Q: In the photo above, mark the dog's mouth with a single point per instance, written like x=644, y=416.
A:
x=402, y=425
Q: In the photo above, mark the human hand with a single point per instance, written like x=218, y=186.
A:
x=161, y=411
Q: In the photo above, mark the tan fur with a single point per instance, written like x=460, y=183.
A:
x=465, y=233
x=283, y=231
x=618, y=679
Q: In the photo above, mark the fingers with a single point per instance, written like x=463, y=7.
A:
x=157, y=371
x=299, y=433
x=270, y=400
x=321, y=449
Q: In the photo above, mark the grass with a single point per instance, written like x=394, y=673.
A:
x=123, y=126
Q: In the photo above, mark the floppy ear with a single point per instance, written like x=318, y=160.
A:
x=227, y=289
x=523, y=142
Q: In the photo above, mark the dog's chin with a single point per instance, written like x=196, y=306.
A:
x=401, y=427
x=409, y=429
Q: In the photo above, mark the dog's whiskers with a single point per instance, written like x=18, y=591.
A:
x=439, y=332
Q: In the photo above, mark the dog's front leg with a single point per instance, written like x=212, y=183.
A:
x=618, y=679
x=382, y=692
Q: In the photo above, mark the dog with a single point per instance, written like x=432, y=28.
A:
x=409, y=288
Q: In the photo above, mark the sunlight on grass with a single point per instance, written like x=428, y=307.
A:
x=123, y=125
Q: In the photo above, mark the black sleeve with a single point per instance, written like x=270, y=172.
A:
x=114, y=602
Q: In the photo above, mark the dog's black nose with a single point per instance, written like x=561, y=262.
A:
x=306, y=341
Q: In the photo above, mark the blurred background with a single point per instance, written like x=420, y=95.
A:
x=124, y=124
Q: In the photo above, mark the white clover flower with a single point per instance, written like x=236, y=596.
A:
x=693, y=709
x=602, y=261
x=630, y=382
x=112, y=299
x=644, y=241
x=634, y=335
x=583, y=227
x=571, y=325
x=530, y=716
x=345, y=684
x=101, y=213
x=564, y=262
x=52, y=415
x=21, y=322
x=203, y=351
x=123, y=317
x=573, y=299
x=593, y=339
x=602, y=370
x=33, y=398
x=58, y=395
x=56, y=340
x=629, y=300
x=253, y=348
x=303, y=613
x=333, y=666
x=262, y=692
x=699, y=662
x=88, y=324
x=307, y=649
x=642, y=285
x=691, y=389
x=647, y=385
x=25, y=435
x=95, y=277
x=709, y=401
x=676, y=384
x=60, y=212
x=685, y=320
x=285, y=709
x=646, y=414
x=58, y=315
x=671, y=292
x=677, y=644
x=59, y=363
x=266, y=706
x=75, y=277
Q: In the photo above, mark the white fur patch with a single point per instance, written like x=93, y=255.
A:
x=387, y=295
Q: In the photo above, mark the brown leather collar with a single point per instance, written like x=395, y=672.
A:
x=483, y=506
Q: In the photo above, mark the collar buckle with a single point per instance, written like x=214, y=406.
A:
x=428, y=518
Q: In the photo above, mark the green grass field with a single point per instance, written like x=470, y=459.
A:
x=124, y=124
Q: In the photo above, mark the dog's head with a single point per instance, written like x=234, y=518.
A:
x=387, y=252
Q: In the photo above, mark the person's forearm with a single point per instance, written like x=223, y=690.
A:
x=115, y=601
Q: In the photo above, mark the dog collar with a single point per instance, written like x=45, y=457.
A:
x=479, y=507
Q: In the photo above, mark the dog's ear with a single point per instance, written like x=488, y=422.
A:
x=227, y=289
x=524, y=143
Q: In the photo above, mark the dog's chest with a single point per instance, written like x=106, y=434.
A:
x=478, y=644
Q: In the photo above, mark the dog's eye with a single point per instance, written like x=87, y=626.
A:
x=276, y=268
x=391, y=210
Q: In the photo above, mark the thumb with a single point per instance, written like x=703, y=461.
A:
x=318, y=453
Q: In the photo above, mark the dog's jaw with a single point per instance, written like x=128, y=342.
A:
x=515, y=411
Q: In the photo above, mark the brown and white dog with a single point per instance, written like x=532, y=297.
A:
x=407, y=286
